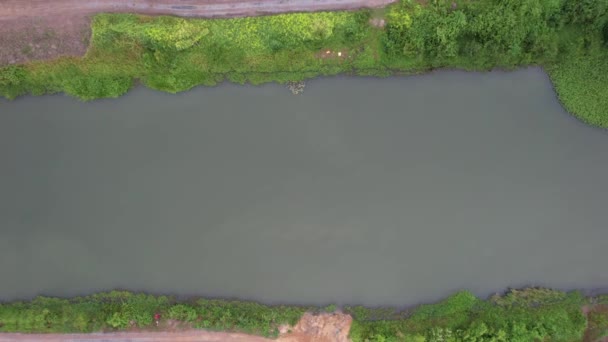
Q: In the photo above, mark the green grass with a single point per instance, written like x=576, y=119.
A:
x=569, y=38
x=581, y=82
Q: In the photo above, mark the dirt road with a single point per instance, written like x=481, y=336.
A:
x=45, y=29
x=11, y=9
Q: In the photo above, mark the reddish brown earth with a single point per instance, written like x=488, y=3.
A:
x=319, y=328
x=311, y=328
x=597, y=316
x=44, y=29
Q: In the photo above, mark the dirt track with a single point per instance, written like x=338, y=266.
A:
x=44, y=29
x=11, y=9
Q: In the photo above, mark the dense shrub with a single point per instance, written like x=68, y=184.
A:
x=12, y=81
x=568, y=37
x=246, y=316
x=479, y=34
x=182, y=312
x=121, y=310
x=518, y=316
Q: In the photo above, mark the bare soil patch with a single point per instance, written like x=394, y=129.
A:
x=41, y=38
x=377, y=22
x=319, y=328
x=597, y=319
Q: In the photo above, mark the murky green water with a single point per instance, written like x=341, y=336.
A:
x=374, y=191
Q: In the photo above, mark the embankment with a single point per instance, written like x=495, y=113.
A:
x=174, y=54
x=517, y=315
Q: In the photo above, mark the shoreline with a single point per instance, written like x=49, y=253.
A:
x=281, y=48
x=102, y=316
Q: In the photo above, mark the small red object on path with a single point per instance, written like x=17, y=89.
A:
x=156, y=316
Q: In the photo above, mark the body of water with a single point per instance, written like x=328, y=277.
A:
x=361, y=190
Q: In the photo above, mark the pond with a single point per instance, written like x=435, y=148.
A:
x=361, y=190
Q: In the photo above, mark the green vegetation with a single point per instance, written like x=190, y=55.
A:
x=518, y=316
x=567, y=37
x=330, y=308
x=119, y=310
x=532, y=314
x=175, y=54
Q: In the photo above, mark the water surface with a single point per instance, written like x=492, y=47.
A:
x=374, y=191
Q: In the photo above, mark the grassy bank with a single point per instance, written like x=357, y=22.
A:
x=568, y=37
x=519, y=315
x=120, y=310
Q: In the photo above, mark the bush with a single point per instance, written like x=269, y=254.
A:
x=246, y=316
x=526, y=315
x=12, y=81
x=330, y=308
x=183, y=313
x=120, y=310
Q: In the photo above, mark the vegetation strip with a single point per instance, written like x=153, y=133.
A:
x=532, y=314
x=568, y=37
